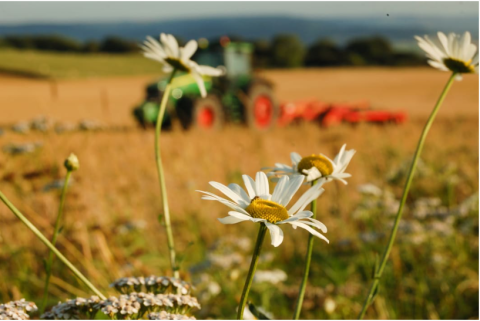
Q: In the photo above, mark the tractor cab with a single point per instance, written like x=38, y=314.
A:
x=236, y=97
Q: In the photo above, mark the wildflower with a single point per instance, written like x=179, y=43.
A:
x=273, y=276
x=153, y=284
x=456, y=53
x=71, y=163
x=162, y=315
x=16, y=310
x=316, y=166
x=177, y=58
x=260, y=206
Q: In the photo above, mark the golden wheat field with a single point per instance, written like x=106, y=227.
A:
x=111, y=228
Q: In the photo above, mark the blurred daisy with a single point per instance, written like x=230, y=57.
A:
x=259, y=206
x=456, y=53
x=174, y=57
x=316, y=166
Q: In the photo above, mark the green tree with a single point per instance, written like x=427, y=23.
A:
x=324, y=52
x=287, y=51
x=374, y=50
x=118, y=45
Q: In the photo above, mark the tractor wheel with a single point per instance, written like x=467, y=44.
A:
x=262, y=108
x=184, y=111
x=208, y=113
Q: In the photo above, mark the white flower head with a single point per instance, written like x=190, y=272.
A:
x=256, y=204
x=168, y=53
x=455, y=53
x=316, y=166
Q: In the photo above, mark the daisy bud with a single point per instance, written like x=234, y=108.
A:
x=71, y=163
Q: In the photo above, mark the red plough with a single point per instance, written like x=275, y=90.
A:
x=333, y=114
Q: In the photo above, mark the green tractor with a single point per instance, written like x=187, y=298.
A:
x=237, y=97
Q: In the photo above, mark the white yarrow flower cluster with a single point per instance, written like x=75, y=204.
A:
x=316, y=166
x=455, y=53
x=259, y=206
x=173, y=57
x=16, y=310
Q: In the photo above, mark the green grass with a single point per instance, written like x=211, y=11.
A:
x=38, y=64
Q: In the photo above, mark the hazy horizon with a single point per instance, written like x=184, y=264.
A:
x=18, y=13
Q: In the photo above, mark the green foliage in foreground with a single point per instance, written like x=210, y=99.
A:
x=72, y=65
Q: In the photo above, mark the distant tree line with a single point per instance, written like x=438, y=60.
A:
x=287, y=51
x=58, y=43
x=284, y=51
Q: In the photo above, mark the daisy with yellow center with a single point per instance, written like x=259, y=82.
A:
x=256, y=204
x=316, y=166
x=455, y=53
x=173, y=57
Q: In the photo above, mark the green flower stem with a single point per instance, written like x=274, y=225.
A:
x=48, y=266
x=251, y=272
x=50, y=245
x=308, y=260
x=421, y=141
x=161, y=176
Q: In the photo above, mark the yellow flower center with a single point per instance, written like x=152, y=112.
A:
x=323, y=165
x=459, y=66
x=267, y=210
x=177, y=64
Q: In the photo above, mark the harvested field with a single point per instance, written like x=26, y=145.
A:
x=110, y=100
x=111, y=226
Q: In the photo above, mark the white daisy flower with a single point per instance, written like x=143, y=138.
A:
x=174, y=57
x=456, y=53
x=316, y=166
x=258, y=205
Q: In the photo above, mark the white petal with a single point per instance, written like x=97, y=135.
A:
x=210, y=71
x=311, y=230
x=312, y=174
x=240, y=215
x=278, y=191
x=167, y=68
x=229, y=193
x=471, y=52
x=200, y=83
x=452, y=44
x=465, y=45
x=317, y=224
x=173, y=46
x=436, y=51
x=276, y=234
x=237, y=189
x=313, y=193
x=155, y=46
x=213, y=197
x=292, y=187
x=231, y=220
x=345, y=160
x=250, y=186
x=283, y=167
x=295, y=158
x=261, y=184
x=166, y=45
x=436, y=64
x=154, y=57
x=296, y=217
x=339, y=155
x=189, y=50
x=443, y=39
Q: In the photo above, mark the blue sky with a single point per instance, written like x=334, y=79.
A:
x=52, y=12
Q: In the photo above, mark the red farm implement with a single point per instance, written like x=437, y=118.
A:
x=333, y=114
